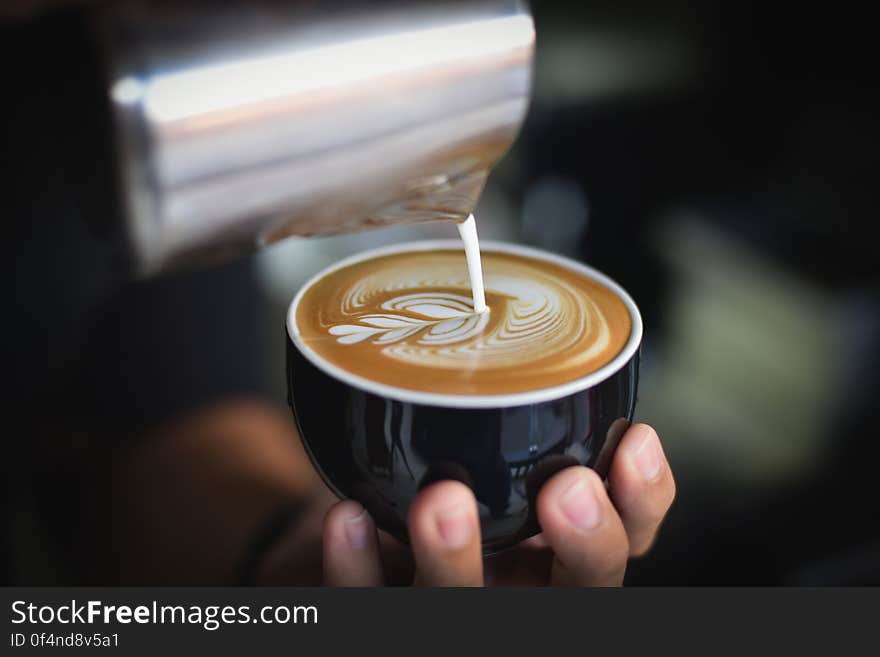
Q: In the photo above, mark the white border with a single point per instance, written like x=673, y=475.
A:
x=471, y=401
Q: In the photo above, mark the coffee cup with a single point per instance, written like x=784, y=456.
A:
x=380, y=443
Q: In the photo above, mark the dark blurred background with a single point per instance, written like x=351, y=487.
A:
x=715, y=157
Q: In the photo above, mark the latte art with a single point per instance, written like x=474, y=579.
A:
x=444, y=319
x=408, y=320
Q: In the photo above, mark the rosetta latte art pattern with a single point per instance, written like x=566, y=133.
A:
x=443, y=319
x=538, y=316
x=407, y=320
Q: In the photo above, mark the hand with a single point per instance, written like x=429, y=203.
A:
x=250, y=463
x=589, y=532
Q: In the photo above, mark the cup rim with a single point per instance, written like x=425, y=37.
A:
x=539, y=395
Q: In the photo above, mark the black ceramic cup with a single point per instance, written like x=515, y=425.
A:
x=380, y=445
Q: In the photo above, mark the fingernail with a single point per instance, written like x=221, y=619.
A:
x=647, y=457
x=580, y=505
x=455, y=525
x=357, y=530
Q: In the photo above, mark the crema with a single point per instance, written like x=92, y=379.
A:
x=407, y=320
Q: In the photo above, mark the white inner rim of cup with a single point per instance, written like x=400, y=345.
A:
x=471, y=401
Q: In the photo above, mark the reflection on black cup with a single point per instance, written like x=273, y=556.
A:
x=380, y=445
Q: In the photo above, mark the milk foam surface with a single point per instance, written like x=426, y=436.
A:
x=407, y=320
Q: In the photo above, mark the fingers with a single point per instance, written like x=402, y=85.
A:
x=351, y=547
x=584, y=530
x=591, y=538
x=445, y=535
x=642, y=486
